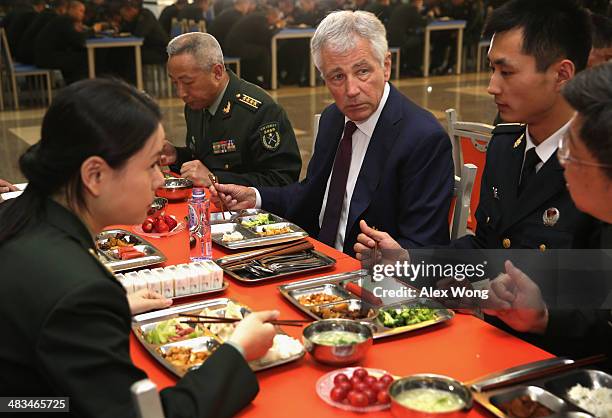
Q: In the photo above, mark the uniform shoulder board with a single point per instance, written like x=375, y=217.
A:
x=509, y=128
x=249, y=102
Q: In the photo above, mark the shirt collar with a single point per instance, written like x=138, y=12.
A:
x=212, y=109
x=367, y=126
x=549, y=146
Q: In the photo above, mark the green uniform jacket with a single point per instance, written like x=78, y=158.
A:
x=66, y=321
x=249, y=139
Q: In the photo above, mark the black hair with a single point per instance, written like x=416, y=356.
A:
x=552, y=30
x=590, y=94
x=100, y=117
x=602, y=31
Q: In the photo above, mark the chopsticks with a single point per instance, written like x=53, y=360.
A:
x=293, y=247
x=204, y=319
x=214, y=180
x=537, y=374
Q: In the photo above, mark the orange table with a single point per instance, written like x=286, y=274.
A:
x=464, y=348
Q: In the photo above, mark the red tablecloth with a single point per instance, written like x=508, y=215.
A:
x=464, y=348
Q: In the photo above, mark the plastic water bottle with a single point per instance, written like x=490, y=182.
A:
x=200, y=243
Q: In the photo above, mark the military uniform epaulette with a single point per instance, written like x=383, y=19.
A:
x=248, y=102
x=509, y=128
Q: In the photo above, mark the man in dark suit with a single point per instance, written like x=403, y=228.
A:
x=25, y=49
x=523, y=200
x=378, y=156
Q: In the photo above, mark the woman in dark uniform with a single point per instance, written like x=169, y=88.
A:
x=65, y=317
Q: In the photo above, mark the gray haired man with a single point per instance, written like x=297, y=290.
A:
x=235, y=130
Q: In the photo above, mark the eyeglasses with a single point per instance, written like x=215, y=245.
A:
x=563, y=154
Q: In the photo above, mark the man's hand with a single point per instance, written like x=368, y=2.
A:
x=5, y=187
x=145, y=300
x=196, y=172
x=516, y=299
x=234, y=197
x=168, y=155
x=366, y=241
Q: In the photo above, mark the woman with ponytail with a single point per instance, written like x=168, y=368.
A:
x=65, y=318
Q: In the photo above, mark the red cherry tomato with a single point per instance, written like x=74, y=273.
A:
x=357, y=398
x=339, y=378
x=370, y=381
x=338, y=394
x=147, y=227
x=379, y=387
x=172, y=223
x=371, y=395
x=361, y=386
x=387, y=379
x=355, y=380
x=161, y=226
x=346, y=386
x=361, y=373
x=383, y=397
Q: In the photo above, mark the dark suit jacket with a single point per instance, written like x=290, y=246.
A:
x=404, y=185
x=68, y=320
x=501, y=215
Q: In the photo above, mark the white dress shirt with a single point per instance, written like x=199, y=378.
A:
x=547, y=148
x=361, y=140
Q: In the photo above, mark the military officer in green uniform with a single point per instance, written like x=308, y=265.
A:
x=234, y=129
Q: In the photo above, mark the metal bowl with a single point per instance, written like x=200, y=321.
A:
x=337, y=355
x=159, y=204
x=175, y=188
x=428, y=381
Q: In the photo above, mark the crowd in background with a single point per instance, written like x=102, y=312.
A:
x=52, y=35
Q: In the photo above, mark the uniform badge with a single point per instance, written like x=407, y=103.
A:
x=270, y=136
x=518, y=141
x=251, y=103
x=495, y=193
x=551, y=216
x=227, y=109
x=223, y=146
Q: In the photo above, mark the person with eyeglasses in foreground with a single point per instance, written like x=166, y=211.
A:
x=66, y=317
x=585, y=152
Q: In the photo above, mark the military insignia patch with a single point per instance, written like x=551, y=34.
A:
x=518, y=141
x=251, y=103
x=551, y=216
x=227, y=108
x=270, y=136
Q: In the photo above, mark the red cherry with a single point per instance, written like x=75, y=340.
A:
x=340, y=377
x=161, y=226
x=338, y=394
x=361, y=386
x=383, y=397
x=379, y=387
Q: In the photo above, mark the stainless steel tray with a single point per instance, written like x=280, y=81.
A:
x=152, y=254
x=294, y=290
x=251, y=238
x=550, y=391
x=239, y=272
x=143, y=321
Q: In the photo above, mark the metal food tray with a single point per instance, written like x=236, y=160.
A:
x=550, y=391
x=148, y=319
x=335, y=284
x=153, y=255
x=233, y=271
x=251, y=238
